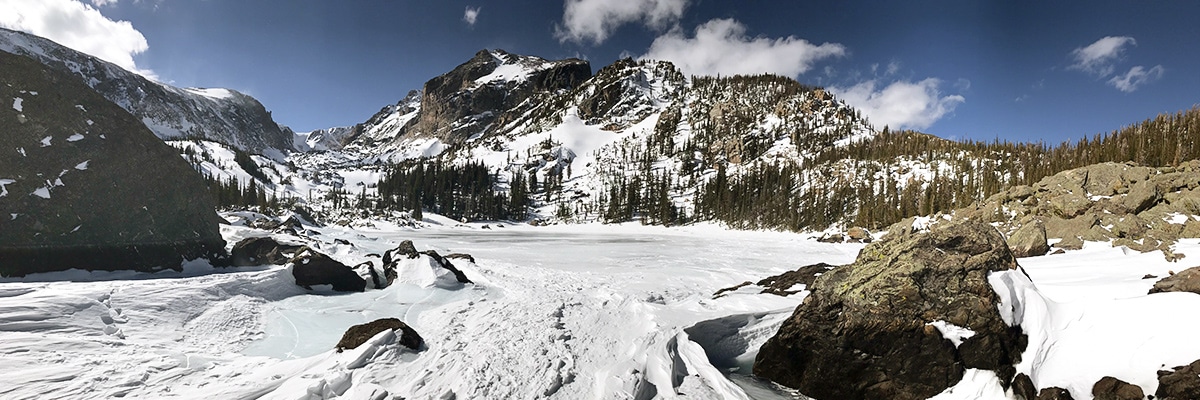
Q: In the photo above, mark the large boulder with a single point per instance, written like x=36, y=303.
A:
x=874, y=329
x=259, y=251
x=1179, y=383
x=359, y=334
x=84, y=184
x=311, y=268
x=444, y=263
x=1187, y=280
x=1110, y=388
x=1029, y=241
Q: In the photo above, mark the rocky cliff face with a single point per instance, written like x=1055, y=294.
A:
x=465, y=101
x=220, y=115
x=84, y=184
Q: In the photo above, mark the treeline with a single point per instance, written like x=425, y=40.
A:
x=462, y=192
x=877, y=182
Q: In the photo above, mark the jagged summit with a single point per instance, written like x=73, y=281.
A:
x=220, y=115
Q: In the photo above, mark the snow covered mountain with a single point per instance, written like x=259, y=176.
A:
x=220, y=115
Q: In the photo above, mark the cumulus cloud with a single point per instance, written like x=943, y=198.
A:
x=78, y=26
x=594, y=20
x=470, y=14
x=102, y=3
x=901, y=104
x=721, y=47
x=1136, y=76
x=1098, y=58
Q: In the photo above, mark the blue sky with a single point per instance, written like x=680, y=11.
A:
x=1013, y=70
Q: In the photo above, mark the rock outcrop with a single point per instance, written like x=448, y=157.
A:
x=1054, y=393
x=359, y=334
x=1139, y=207
x=1109, y=388
x=84, y=184
x=784, y=284
x=1029, y=240
x=1179, y=383
x=311, y=268
x=874, y=329
x=260, y=251
x=1187, y=280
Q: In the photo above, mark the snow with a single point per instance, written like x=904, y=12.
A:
x=21, y=150
x=46, y=141
x=17, y=104
x=83, y=166
x=42, y=192
x=75, y=138
x=4, y=186
x=954, y=333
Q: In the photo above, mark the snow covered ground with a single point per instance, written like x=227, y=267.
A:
x=568, y=311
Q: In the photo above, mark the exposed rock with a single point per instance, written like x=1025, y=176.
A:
x=1109, y=388
x=1029, y=241
x=84, y=184
x=1069, y=243
x=1187, y=280
x=1141, y=196
x=1149, y=276
x=721, y=292
x=406, y=249
x=461, y=256
x=1054, y=393
x=864, y=331
x=782, y=284
x=1180, y=383
x=312, y=268
x=458, y=274
x=259, y=251
x=832, y=238
x=378, y=281
x=359, y=334
x=1023, y=388
x=859, y=235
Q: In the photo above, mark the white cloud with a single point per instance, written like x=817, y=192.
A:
x=594, y=20
x=720, y=46
x=470, y=14
x=1098, y=58
x=1136, y=76
x=102, y=3
x=902, y=104
x=78, y=26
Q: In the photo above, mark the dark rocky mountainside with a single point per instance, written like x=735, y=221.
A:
x=220, y=115
x=83, y=184
x=894, y=324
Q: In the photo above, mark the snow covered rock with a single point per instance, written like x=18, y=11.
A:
x=359, y=334
x=1109, y=388
x=117, y=198
x=1179, y=383
x=1187, y=280
x=903, y=321
x=260, y=251
x=312, y=268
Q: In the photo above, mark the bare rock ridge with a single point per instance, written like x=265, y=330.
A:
x=465, y=101
x=84, y=184
x=220, y=115
x=1142, y=208
x=891, y=325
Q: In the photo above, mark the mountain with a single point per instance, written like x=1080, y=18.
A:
x=83, y=184
x=220, y=115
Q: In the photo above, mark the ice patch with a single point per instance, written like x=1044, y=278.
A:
x=211, y=93
x=75, y=138
x=14, y=215
x=21, y=150
x=17, y=104
x=83, y=166
x=46, y=141
x=4, y=188
x=956, y=334
x=41, y=192
x=80, y=107
x=90, y=122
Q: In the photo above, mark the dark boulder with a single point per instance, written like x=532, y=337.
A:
x=1187, y=280
x=1180, y=383
x=359, y=334
x=84, y=184
x=1054, y=393
x=865, y=333
x=858, y=235
x=461, y=256
x=406, y=249
x=1109, y=388
x=1023, y=388
x=312, y=268
x=376, y=279
x=832, y=238
x=782, y=284
x=1029, y=241
x=261, y=250
x=444, y=263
